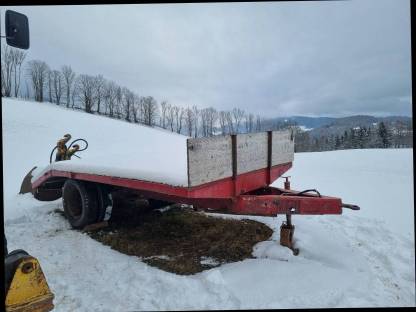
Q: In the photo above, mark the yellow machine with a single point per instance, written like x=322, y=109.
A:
x=26, y=286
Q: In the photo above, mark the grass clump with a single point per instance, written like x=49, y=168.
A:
x=181, y=240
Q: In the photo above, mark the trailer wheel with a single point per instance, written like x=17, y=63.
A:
x=156, y=203
x=80, y=203
x=103, y=201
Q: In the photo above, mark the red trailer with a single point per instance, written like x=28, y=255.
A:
x=226, y=174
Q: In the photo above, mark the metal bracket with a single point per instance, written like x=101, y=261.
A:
x=287, y=229
x=286, y=237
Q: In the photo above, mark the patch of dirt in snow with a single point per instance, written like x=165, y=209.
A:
x=179, y=240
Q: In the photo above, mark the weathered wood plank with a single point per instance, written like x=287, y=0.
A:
x=283, y=147
x=209, y=159
x=251, y=152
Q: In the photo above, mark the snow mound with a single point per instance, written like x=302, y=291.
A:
x=358, y=259
x=116, y=148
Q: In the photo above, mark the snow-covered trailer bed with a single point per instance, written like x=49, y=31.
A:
x=230, y=174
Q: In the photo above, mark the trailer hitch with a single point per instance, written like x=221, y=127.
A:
x=287, y=229
x=350, y=206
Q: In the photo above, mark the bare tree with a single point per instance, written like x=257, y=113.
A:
x=50, y=84
x=119, y=99
x=222, y=115
x=57, y=84
x=150, y=108
x=85, y=84
x=3, y=80
x=171, y=116
x=205, y=122
x=189, y=121
x=230, y=123
x=175, y=110
x=179, y=119
x=142, y=101
x=212, y=119
x=164, y=106
x=258, y=123
x=27, y=93
x=195, y=111
x=176, y=114
x=18, y=58
x=128, y=102
x=249, y=121
x=238, y=115
x=69, y=77
x=7, y=60
x=37, y=71
x=74, y=94
x=109, y=97
x=98, y=91
x=136, y=108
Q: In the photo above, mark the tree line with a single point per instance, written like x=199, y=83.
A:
x=99, y=95
x=382, y=135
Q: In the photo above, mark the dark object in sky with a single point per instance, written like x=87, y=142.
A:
x=17, y=30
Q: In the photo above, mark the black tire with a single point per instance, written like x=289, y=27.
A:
x=156, y=203
x=80, y=203
x=103, y=201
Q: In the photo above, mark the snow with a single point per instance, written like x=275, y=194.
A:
x=380, y=181
x=358, y=259
x=209, y=261
x=116, y=148
x=304, y=128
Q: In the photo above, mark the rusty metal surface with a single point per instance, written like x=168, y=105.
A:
x=224, y=188
x=269, y=157
x=43, y=194
x=26, y=186
x=272, y=205
x=286, y=237
x=28, y=290
x=42, y=305
x=286, y=183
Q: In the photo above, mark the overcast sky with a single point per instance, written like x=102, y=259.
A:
x=273, y=59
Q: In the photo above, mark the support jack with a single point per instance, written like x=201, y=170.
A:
x=287, y=229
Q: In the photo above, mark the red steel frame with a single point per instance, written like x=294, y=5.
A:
x=247, y=193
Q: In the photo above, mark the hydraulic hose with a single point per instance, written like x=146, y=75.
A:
x=80, y=150
x=50, y=157
x=70, y=145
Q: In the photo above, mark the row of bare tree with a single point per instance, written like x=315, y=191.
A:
x=11, y=65
x=208, y=121
x=96, y=94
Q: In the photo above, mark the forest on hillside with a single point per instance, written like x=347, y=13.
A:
x=95, y=94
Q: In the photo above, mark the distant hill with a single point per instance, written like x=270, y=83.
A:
x=307, y=122
x=318, y=126
x=339, y=125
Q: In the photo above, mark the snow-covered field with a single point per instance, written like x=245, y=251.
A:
x=113, y=146
x=359, y=259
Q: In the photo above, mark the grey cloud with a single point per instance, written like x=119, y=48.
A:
x=279, y=58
